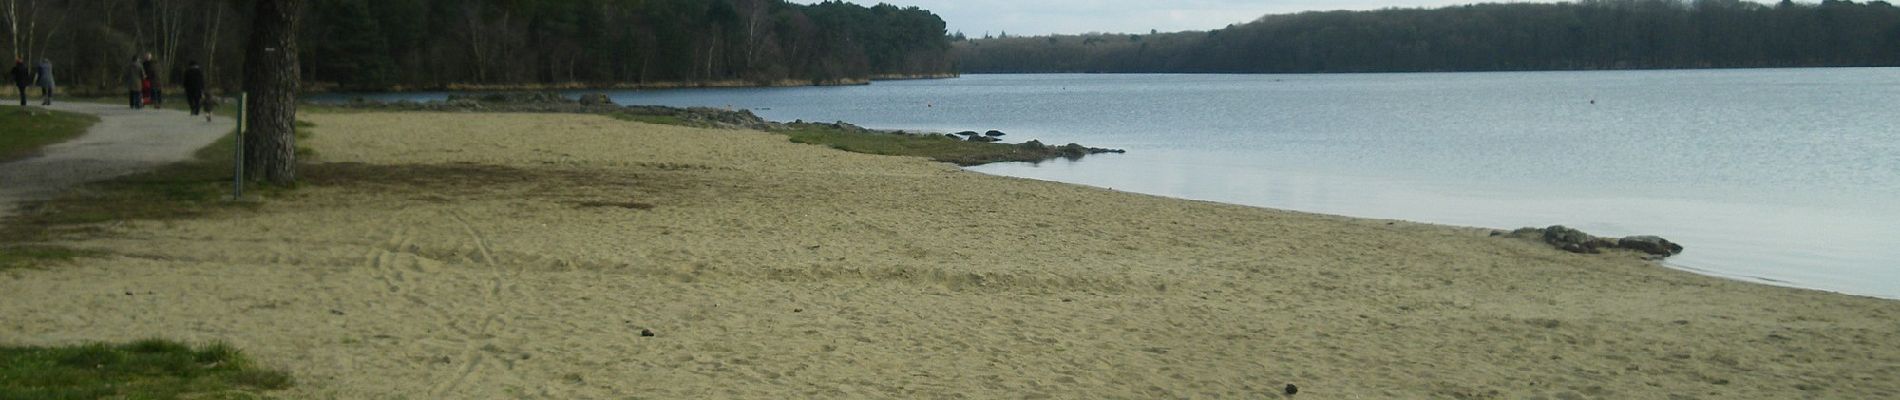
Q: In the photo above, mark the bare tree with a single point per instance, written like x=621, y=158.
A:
x=168, y=24
x=213, y=21
x=22, y=19
x=758, y=31
x=478, y=43
x=10, y=10
x=270, y=75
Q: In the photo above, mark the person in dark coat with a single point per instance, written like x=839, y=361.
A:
x=151, y=77
x=43, y=76
x=195, y=87
x=21, y=78
x=134, y=79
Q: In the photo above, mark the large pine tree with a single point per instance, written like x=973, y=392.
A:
x=270, y=76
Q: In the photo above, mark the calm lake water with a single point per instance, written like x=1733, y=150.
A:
x=1788, y=177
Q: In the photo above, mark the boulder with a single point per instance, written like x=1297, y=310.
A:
x=993, y=133
x=1651, y=245
x=1571, y=240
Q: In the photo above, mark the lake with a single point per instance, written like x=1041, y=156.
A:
x=1781, y=176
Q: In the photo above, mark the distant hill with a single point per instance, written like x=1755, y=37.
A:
x=1591, y=34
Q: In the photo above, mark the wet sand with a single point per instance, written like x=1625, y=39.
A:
x=515, y=255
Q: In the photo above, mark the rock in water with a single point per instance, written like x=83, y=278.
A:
x=592, y=99
x=1650, y=245
x=993, y=133
x=1576, y=241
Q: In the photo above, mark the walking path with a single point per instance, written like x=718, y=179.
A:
x=125, y=141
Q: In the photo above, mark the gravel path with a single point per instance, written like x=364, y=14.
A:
x=125, y=141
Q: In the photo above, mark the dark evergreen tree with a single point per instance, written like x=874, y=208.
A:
x=1589, y=34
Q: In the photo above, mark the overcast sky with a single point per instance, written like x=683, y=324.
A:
x=1040, y=17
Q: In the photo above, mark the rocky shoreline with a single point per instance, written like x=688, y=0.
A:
x=709, y=117
x=1576, y=241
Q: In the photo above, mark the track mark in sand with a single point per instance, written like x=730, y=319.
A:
x=475, y=360
x=384, y=261
x=379, y=259
x=481, y=242
x=492, y=319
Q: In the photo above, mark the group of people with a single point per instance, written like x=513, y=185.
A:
x=40, y=75
x=141, y=82
x=143, y=87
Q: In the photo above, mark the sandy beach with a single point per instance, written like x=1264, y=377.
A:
x=486, y=256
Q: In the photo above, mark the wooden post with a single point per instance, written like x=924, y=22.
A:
x=237, y=159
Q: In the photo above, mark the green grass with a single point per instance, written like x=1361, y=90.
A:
x=146, y=369
x=29, y=129
x=935, y=147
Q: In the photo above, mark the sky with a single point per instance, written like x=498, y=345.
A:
x=1042, y=17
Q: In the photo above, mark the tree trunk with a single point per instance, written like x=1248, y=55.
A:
x=271, y=75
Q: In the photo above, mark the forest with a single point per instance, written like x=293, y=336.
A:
x=1584, y=35
x=431, y=44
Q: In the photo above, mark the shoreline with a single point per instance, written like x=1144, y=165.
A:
x=321, y=88
x=1665, y=262
x=462, y=255
x=325, y=88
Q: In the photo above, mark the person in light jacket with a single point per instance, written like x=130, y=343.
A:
x=43, y=75
x=134, y=78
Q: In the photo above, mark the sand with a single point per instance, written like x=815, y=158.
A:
x=520, y=256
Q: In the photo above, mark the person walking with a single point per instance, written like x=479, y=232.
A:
x=21, y=78
x=195, y=87
x=134, y=78
x=44, y=77
x=151, y=77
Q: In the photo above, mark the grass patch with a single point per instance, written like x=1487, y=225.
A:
x=935, y=147
x=650, y=119
x=18, y=256
x=146, y=369
x=29, y=129
x=181, y=190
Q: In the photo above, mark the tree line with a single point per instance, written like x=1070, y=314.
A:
x=1589, y=34
x=422, y=44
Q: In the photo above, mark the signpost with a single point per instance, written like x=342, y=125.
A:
x=237, y=158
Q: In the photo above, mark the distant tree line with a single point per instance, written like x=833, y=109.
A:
x=92, y=41
x=434, y=43
x=1590, y=34
x=380, y=44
